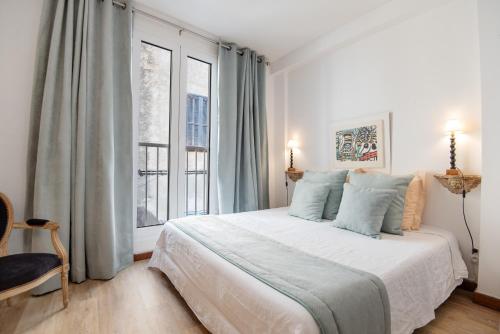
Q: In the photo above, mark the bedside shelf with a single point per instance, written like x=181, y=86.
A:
x=456, y=183
x=294, y=175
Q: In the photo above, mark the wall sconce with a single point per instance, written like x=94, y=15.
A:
x=456, y=181
x=291, y=145
x=453, y=127
x=292, y=173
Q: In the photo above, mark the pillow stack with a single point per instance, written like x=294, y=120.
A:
x=368, y=204
x=309, y=200
x=394, y=215
x=335, y=182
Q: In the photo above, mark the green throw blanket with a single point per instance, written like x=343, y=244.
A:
x=341, y=299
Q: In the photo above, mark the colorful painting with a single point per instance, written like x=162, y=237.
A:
x=358, y=144
x=361, y=143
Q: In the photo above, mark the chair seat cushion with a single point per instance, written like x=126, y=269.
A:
x=36, y=222
x=19, y=269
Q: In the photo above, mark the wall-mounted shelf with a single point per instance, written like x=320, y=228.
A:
x=456, y=183
x=294, y=175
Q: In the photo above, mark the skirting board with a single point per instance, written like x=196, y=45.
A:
x=485, y=300
x=142, y=256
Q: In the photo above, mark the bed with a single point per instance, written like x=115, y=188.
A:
x=419, y=271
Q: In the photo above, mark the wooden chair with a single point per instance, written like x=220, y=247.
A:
x=23, y=272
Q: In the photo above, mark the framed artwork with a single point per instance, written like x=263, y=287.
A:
x=362, y=143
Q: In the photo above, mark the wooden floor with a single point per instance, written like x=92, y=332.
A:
x=140, y=300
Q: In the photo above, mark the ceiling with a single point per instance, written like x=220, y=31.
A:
x=272, y=27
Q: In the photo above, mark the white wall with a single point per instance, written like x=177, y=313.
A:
x=19, y=21
x=424, y=68
x=489, y=32
x=276, y=133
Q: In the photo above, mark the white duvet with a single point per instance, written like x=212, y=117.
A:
x=419, y=270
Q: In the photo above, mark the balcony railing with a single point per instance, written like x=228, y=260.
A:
x=153, y=191
x=196, y=180
x=153, y=209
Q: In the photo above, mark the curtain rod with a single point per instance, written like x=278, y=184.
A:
x=123, y=5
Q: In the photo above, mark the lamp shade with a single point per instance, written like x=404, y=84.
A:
x=453, y=126
x=292, y=143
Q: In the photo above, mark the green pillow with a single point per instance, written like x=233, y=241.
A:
x=362, y=210
x=394, y=216
x=335, y=181
x=308, y=200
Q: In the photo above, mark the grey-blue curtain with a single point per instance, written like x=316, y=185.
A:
x=243, y=170
x=80, y=155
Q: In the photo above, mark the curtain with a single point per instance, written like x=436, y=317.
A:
x=243, y=170
x=80, y=154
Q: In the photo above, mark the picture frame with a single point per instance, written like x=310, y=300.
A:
x=363, y=143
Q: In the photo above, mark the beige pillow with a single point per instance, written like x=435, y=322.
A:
x=414, y=205
x=417, y=219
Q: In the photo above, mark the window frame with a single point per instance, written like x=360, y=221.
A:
x=169, y=132
x=207, y=54
x=181, y=45
x=150, y=31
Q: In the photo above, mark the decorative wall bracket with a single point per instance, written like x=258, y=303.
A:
x=295, y=175
x=456, y=183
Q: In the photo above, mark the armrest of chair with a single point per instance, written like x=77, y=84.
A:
x=56, y=242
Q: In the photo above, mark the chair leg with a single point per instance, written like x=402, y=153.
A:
x=64, y=284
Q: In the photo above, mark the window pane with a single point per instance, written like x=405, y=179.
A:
x=197, y=136
x=154, y=126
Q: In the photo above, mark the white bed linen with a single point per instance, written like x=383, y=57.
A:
x=419, y=270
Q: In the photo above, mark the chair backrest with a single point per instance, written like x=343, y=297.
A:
x=6, y=222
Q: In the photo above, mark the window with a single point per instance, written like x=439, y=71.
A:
x=197, y=120
x=197, y=136
x=173, y=85
x=154, y=129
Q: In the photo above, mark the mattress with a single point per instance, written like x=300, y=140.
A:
x=419, y=270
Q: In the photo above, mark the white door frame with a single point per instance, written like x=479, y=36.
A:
x=208, y=53
x=149, y=30
x=182, y=46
